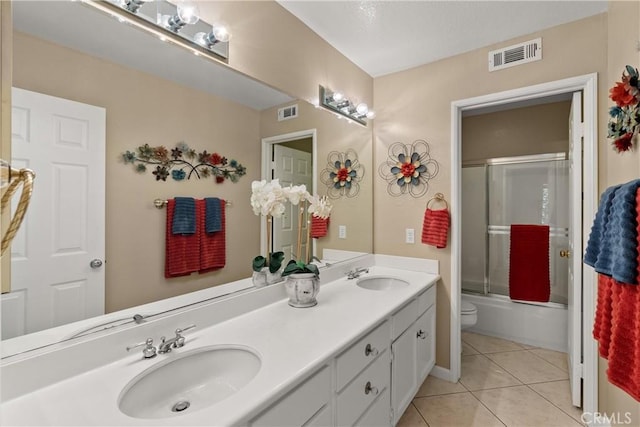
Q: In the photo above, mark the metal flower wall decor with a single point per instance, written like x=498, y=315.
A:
x=343, y=174
x=408, y=169
x=182, y=162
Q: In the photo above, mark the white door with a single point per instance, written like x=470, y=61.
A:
x=57, y=274
x=291, y=167
x=575, y=249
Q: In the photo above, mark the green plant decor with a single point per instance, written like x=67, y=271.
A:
x=295, y=267
x=260, y=262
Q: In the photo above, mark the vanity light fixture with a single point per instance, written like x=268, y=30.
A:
x=338, y=103
x=176, y=21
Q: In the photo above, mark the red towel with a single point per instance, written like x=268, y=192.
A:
x=212, y=245
x=529, y=263
x=435, y=227
x=319, y=226
x=617, y=327
x=182, y=253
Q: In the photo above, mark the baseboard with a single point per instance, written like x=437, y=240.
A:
x=441, y=373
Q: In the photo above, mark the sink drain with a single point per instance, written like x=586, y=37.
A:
x=181, y=406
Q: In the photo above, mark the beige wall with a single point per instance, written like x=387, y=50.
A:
x=415, y=104
x=159, y=113
x=334, y=134
x=520, y=132
x=624, y=35
x=273, y=46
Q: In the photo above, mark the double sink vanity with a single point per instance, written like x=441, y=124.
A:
x=357, y=358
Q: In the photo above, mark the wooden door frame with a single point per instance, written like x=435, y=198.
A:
x=588, y=84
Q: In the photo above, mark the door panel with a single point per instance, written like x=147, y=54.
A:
x=575, y=250
x=63, y=142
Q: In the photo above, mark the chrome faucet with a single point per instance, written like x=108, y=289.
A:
x=165, y=345
x=356, y=272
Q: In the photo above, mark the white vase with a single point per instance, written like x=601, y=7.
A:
x=259, y=278
x=274, y=277
x=302, y=289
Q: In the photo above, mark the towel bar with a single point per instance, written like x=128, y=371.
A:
x=160, y=203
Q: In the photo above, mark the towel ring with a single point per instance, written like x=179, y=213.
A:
x=438, y=197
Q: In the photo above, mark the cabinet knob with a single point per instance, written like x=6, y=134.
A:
x=421, y=334
x=565, y=253
x=368, y=388
x=370, y=351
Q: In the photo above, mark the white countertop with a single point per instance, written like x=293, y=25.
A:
x=291, y=343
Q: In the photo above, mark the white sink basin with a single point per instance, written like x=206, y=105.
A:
x=188, y=382
x=381, y=283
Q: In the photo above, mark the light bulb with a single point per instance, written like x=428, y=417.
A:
x=337, y=96
x=188, y=13
x=221, y=33
x=362, y=109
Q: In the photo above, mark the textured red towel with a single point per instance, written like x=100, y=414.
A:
x=319, y=226
x=212, y=245
x=435, y=227
x=182, y=252
x=529, y=263
x=617, y=327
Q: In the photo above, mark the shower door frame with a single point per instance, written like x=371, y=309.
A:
x=587, y=84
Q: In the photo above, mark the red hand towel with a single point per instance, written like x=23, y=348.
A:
x=435, y=227
x=182, y=252
x=529, y=263
x=617, y=327
x=212, y=245
x=319, y=226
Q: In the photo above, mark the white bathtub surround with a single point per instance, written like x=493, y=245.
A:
x=291, y=343
x=540, y=325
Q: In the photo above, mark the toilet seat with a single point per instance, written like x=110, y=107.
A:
x=468, y=308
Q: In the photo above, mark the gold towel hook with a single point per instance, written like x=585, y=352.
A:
x=438, y=197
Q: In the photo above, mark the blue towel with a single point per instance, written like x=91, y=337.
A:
x=212, y=217
x=615, y=239
x=600, y=223
x=184, y=216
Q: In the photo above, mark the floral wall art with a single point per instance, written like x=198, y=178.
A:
x=408, y=169
x=624, y=122
x=343, y=174
x=182, y=162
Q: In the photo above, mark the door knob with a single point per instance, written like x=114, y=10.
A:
x=565, y=253
x=96, y=263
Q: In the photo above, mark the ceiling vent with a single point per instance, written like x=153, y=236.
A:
x=517, y=54
x=286, y=113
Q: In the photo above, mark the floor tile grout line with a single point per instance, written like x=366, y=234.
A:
x=490, y=411
x=537, y=382
x=559, y=367
x=562, y=410
x=420, y=413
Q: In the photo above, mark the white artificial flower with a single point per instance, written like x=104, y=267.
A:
x=297, y=193
x=319, y=206
x=268, y=198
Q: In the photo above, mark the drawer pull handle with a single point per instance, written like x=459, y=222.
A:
x=421, y=334
x=370, y=351
x=368, y=388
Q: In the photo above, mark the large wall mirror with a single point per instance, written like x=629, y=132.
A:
x=148, y=92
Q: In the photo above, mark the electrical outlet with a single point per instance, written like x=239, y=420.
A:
x=342, y=231
x=410, y=235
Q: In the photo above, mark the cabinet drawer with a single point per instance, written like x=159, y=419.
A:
x=404, y=317
x=426, y=299
x=356, y=398
x=378, y=414
x=360, y=354
x=300, y=404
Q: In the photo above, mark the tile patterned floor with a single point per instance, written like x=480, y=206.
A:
x=503, y=383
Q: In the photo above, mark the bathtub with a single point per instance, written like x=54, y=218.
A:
x=539, y=325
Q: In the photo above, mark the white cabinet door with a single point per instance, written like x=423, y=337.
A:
x=404, y=377
x=425, y=328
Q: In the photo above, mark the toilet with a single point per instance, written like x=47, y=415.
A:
x=469, y=315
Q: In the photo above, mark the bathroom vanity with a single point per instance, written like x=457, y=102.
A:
x=357, y=358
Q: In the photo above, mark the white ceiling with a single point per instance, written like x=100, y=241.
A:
x=383, y=37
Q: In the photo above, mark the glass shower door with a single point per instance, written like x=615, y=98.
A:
x=527, y=190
